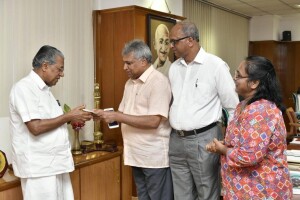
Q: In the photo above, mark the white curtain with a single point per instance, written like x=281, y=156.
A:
x=65, y=24
x=221, y=33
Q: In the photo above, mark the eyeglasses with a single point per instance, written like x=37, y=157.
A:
x=60, y=69
x=173, y=42
x=237, y=76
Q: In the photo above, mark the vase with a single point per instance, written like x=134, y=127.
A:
x=76, y=144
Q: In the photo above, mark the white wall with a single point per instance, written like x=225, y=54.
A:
x=270, y=27
x=290, y=23
x=175, y=6
x=264, y=28
x=64, y=24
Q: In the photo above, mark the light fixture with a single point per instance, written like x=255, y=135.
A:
x=297, y=5
x=160, y=5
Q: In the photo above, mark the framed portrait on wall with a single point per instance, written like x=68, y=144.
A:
x=159, y=42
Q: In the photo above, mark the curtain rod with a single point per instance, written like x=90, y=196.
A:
x=223, y=8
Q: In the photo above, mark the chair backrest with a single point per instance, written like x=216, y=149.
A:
x=296, y=99
x=225, y=117
x=292, y=119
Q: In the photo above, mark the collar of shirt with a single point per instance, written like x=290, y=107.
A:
x=198, y=59
x=145, y=75
x=38, y=80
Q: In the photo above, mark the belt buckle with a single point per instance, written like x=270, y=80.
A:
x=180, y=133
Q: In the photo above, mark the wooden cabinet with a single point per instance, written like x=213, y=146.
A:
x=112, y=29
x=14, y=193
x=101, y=180
x=97, y=177
x=286, y=60
x=75, y=178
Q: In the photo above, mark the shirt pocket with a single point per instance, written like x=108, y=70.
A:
x=202, y=93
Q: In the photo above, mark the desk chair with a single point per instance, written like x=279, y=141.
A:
x=225, y=117
x=296, y=99
x=294, y=124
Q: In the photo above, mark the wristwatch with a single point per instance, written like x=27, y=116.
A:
x=3, y=163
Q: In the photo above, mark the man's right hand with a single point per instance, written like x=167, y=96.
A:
x=78, y=115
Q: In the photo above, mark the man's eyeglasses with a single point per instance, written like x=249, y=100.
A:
x=237, y=76
x=60, y=70
x=173, y=42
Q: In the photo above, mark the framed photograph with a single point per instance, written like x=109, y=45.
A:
x=159, y=42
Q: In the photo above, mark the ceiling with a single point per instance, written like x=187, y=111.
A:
x=252, y=8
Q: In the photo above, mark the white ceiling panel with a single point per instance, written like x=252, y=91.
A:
x=259, y=7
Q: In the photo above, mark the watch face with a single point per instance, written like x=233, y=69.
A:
x=3, y=163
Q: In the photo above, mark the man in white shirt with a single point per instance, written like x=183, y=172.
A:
x=143, y=113
x=41, y=153
x=201, y=85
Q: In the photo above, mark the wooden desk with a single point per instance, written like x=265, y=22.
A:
x=293, y=166
x=97, y=176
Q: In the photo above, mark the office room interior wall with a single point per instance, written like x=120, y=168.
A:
x=270, y=27
x=221, y=33
x=290, y=23
x=28, y=25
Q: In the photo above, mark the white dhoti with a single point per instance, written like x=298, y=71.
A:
x=57, y=187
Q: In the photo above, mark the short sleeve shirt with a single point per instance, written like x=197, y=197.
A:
x=46, y=154
x=148, y=95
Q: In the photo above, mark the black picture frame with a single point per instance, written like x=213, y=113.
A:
x=152, y=23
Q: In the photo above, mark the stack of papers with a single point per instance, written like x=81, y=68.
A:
x=295, y=176
x=293, y=156
x=295, y=141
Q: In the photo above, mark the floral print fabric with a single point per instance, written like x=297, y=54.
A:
x=255, y=166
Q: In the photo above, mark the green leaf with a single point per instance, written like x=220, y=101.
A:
x=66, y=108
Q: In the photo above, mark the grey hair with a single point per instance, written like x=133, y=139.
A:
x=46, y=54
x=139, y=50
x=189, y=29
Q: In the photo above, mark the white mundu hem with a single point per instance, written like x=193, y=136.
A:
x=57, y=187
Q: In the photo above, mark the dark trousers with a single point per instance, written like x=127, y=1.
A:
x=153, y=183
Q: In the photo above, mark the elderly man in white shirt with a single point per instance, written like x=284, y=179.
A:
x=201, y=85
x=41, y=154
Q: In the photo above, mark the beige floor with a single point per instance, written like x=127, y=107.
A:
x=134, y=198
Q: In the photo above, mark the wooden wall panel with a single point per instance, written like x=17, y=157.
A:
x=286, y=60
x=297, y=65
x=286, y=71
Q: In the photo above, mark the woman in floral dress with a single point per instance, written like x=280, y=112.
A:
x=254, y=164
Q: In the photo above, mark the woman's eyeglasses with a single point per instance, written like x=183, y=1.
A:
x=238, y=76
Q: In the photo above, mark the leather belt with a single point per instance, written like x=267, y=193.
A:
x=195, y=131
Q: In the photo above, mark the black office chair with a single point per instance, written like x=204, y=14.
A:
x=296, y=99
x=225, y=117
